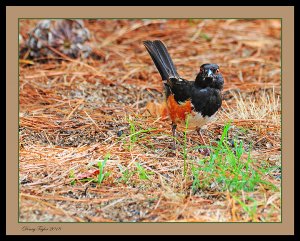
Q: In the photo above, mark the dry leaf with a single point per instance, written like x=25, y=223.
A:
x=89, y=173
x=157, y=109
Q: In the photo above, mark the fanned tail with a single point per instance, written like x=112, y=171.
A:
x=161, y=59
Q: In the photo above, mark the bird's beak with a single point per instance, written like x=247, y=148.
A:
x=209, y=73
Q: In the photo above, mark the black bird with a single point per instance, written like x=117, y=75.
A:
x=196, y=100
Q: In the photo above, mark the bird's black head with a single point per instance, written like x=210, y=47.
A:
x=209, y=76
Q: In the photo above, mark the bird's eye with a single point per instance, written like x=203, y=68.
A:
x=201, y=70
x=217, y=71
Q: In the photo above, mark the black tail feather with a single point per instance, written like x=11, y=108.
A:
x=156, y=59
x=166, y=58
x=161, y=59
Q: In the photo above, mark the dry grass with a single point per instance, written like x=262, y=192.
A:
x=73, y=112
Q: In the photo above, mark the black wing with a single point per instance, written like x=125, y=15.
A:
x=181, y=89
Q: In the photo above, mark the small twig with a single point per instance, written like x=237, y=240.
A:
x=76, y=107
x=92, y=120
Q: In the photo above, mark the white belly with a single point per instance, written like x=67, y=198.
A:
x=197, y=120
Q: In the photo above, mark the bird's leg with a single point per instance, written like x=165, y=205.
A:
x=205, y=151
x=198, y=129
x=174, y=135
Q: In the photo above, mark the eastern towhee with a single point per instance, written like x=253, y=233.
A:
x=199, y=99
